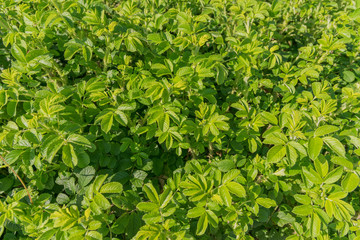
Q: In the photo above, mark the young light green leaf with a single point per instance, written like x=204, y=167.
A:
x=230, y=175
x=324, y=130
x=270, y=117
x=303, y=210
x=350, y=182
x=312, y=176
x=98, y=182
x=225, y=196
x=348, y=76
x=79, y=140
x=196, y=212
x=236, y=189
x=101, y=201
x=303, y=199
x=266, y=202
x=213, y=219
x=202, y=225
x=112, y=187
x=147, y=206
x=342, y=162
x=334, y=175
x=107, y=122
x=314, y=148
x=315, y=225
x=18, y=53
x=151, y=193
x=276, y=153
x=335, y=145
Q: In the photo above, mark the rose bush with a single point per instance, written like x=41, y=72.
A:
x=166, y=119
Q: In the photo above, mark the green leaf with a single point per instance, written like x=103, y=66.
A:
x=121, y=117
x=291, y=154
x=312, y=176
x=94, y=235
x=62, y=198
x=4, y=24
x=300, y=148
x=101, y=201
x=32, y=137
x=202, y=225
x=314, y=148
x=348, y=76
x=196, y=212
x=335, y=145
x=69, y=156
x=213, y=219
x=18, y=53
x=134, y=44
x=315, y=225
x=322, y=215
x=230, y=175
x=147, y=206
x=6, y=183
x=83, y=159
x=303, y=210
x=266, y=202
x=337, y=195
x=329, y=208
x=236, y=189
x=342, y=162
x=48, y=234
x=11, y=108
x=154, y=37
x=79, y=140
x=324, y=130
x=98, y=182
x=33, y=54
x=13, y=156
x=165, y=197
x=86, y=175
x=71, y=50
x=303, y=199
x=3, y=98
x=152, y=217
x=151, y=193
x=165, y=123
x=270, y=117
x=184, y=23
x=54, y=148
x=112, y=187
x=107, y=122
x=225, y=196
x=221, y=74
x=226, y=165
x=276, y=153
x=321, y=166
x=350, y=182
x=183, y=71
x=334, y=175
x=87, y=53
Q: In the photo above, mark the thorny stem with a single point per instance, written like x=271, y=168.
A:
x=18, y=178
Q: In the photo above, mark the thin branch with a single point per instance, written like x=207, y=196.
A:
x=18, y=178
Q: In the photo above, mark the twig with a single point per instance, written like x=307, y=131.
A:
x=18, y=178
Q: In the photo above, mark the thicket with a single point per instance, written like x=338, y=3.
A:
x=166, y=119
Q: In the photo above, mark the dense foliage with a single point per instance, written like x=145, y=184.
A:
x=167, y=119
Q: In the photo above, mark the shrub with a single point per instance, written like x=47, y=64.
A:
x=166, y=119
